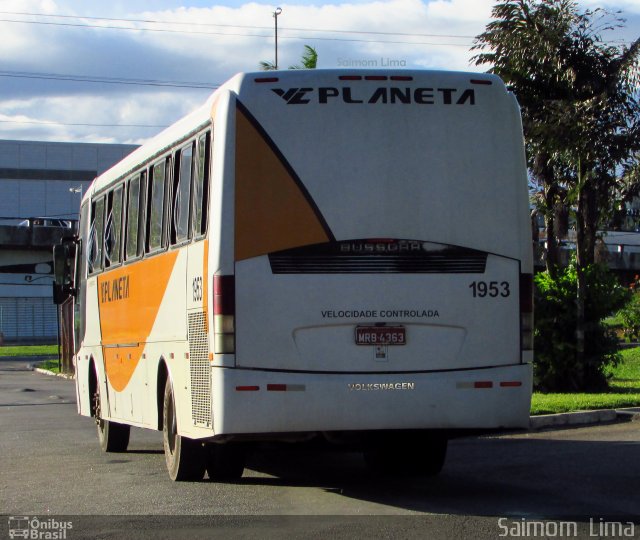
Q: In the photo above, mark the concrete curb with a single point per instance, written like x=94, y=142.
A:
x=51, y=373
x=581, y=418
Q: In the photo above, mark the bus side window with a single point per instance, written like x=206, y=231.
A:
x=135, y=211
x=181, y=195
x=201, y=186
x=142, y=214
x=113, y=230
x=155, y=206
x=96, y=236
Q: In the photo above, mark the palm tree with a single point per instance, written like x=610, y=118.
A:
x=309, y=60
x=580, y=114
x=265, y=65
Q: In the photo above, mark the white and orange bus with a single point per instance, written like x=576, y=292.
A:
x=312, y=254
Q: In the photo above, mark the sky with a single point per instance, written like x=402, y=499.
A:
x=118, y=72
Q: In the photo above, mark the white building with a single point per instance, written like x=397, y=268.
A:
x=39, y=179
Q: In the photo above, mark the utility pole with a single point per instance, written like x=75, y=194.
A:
x=275, y=16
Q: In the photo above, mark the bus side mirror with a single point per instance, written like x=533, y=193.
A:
x=63, y=266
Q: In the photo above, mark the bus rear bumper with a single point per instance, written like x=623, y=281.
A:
x=260, y=402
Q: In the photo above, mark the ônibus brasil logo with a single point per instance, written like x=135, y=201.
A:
x=38, y=528
x=346, y=94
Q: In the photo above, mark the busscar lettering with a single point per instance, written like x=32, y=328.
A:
x=383, y=94
x=402, y=246
x=116, y=289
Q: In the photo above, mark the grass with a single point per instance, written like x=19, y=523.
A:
x=624, y=391
x=34, y=350
x=29, y=350
x=51, y=365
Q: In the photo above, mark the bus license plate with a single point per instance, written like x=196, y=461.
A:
x=380, y=335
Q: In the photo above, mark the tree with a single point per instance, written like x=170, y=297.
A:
x=309, y=60
x=581, y=116
x=265, y=65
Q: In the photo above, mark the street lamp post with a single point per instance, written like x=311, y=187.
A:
x=275, y=16
x=77, y=189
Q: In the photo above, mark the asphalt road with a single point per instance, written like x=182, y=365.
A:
x=51, y=465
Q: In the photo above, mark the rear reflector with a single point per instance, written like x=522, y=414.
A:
x=510, y=384
x=274, y=388
x=475, y=384
x=526, y=312
x=224, y=311
x=376, y=78
x=286, y=388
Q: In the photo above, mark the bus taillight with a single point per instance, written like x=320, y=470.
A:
x=526, y=312
x=224, y=312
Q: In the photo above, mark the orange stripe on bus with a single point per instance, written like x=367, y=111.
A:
x=272, y=213
x=129, y=300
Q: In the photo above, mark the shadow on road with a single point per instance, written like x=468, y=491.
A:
x=523, y=476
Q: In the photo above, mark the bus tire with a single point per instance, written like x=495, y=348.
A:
x=184, y=456
x=225, y=461
x=418, y=455
x=113, y=437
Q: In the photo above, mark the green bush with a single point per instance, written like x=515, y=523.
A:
x=630, y=314
x=556, y=367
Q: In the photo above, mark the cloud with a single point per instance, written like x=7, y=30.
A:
x=103, y=112
x=210, y=44
x=416, y=22
x=627, y=6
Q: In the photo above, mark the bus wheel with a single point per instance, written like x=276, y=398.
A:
x=113, y=437
x=225, y=461
x=407, y=455
x=184, y=456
